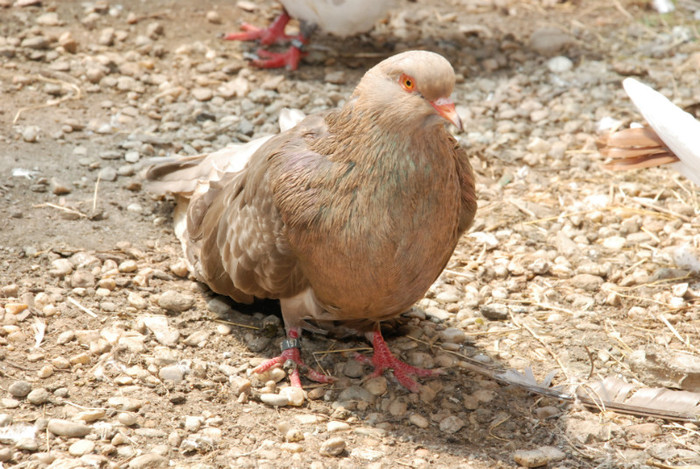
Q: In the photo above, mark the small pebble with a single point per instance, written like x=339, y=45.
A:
x=93, y=415
x=9, y=403
x=202, y=94
x=30, y=134
x=213, y=17
x=546, y=412
x=153, y=30
x=453, y=335
x=128, y=266
x=494, y=311
x=36, y=42
x=337, y=77
x=614, y=243
x=295, y=396
x=174, y=373
x=68, y=42
x=193, y=423
x=132, y=156
x=353, y=369
x=20, y=388
x=137, y=301
x=174, y=439
x=366, y=454
x=125, y=403
x=175, y=301
x=451, y=424
x=81, y=447
x=65, y=337
x=559, y=64
x=48, y=19
x=292, y=447
x=15, y=308
x=549, y=40
x=127, y=418
x=180, y=268
x=332, y=447
x=645, y=430
x=197, y=338
x=59, y=188
x=38, y=396
x=108, y=174
x=419, y=421
x=68, y=428
x=275, y=400
x=538, y=457
x=293, y=435
x=376, y=386
x=45, y=371
x=218, y=306
x=398, y=408
x=27, y=444
x=333, y=427
x=80, y=359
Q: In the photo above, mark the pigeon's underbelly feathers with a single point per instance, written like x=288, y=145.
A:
x=339, y=17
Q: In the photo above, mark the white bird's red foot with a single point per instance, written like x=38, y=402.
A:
x=273, y=34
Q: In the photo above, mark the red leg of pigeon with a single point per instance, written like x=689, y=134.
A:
x=270, y=35
x=289, y=59
x=383, y=359
x=291, y=350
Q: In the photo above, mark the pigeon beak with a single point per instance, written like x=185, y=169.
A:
x=446, y=108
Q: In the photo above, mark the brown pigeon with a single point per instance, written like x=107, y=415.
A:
x=346, y=218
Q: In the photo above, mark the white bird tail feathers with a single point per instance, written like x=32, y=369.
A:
x=674, y=140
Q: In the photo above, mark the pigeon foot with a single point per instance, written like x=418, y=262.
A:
x=273, y=34
x=383, y=360
x=291, y=357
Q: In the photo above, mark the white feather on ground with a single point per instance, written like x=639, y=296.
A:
x=679, y=130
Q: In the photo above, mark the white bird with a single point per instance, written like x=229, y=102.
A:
x=673, y=136
x=338, y=17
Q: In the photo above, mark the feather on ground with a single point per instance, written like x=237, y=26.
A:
x=671, y=137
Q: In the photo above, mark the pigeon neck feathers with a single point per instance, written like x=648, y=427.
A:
x=383, y=117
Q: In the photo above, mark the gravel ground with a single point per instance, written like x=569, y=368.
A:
x=110, y=356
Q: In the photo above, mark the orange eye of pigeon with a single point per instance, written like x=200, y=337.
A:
x=407, y=83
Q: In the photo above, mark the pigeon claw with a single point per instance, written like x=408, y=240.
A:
x=290, y=358
x=383, y=360
x=273, y=34
x=288, y=59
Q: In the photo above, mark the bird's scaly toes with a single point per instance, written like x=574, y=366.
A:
x=290, y=358
x=383, y=360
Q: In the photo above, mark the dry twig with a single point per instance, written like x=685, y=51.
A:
x=58, y=207
x=81, y=307
x=53, y=102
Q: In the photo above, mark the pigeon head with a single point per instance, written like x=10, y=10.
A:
x=413, y=84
